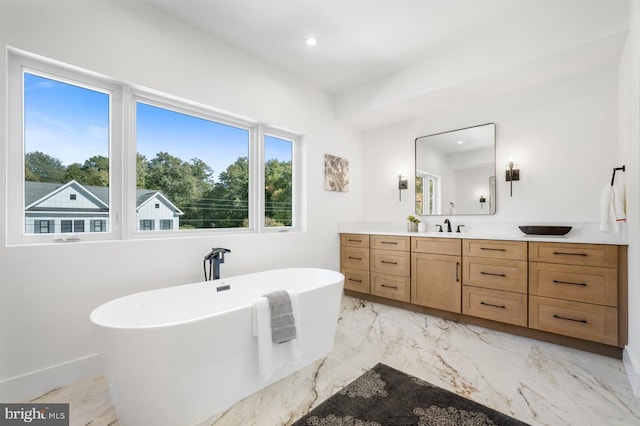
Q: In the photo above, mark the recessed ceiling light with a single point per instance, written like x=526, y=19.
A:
x=460, y=142
x=311, y=41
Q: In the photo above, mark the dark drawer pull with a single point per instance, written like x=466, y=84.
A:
x=570, y=319
x=491, y=273
x=356, y=281
x=493, y=249
x=569, y=282
x=495, y=306
x=389, y=263
x=569, y=254
x=389, y=242
x=354, y=241
x=457, y=271
x=389, y=286
x=354, y=258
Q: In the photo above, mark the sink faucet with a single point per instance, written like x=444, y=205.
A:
x=446, y=222
x=215, y=258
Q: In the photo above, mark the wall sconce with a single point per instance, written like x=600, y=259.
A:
x=511, y=175
x=482, y=201
x=402, y=184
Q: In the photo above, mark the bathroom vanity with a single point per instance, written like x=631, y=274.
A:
x=569, y=292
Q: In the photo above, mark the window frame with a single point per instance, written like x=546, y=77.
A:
x=195, y=110
x=121, y=223
x=296, y=179
x=19, y=62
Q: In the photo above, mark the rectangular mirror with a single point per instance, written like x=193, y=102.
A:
x=456, y=172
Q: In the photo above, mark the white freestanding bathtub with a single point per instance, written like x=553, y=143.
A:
x=179, y=355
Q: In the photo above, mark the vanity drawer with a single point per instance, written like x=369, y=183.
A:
x=498, y=274
x=391, y=286
x=390, y=262
x=515, y=250
x=574, y=254
x=449, y=246
x=571, y=282
x=354, y=240
x=502, y=306
x=385, y=242
x=356, y=280
x=354, y=258
x=581, y=320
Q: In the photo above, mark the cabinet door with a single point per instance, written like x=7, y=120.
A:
x=354, y=258
x=354, y=240
x=436, y=281
x=356, y=280
x=390, y=262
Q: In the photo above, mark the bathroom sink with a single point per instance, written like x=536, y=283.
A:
x=545, y=230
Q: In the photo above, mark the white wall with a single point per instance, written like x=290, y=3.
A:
x=47, y=292
x=629, y=149
x=562, y=136
x=566, y=137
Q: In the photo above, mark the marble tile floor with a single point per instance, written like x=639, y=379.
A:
x=536, y=382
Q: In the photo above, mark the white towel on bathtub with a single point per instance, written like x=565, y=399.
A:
x=272, y=356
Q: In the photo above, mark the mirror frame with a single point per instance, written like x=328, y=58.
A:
x=491, y=196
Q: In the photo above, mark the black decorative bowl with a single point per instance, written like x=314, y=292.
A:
x=545, y=230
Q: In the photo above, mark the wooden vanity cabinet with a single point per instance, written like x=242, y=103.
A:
x=494, y=280
x=354, y=261
x=573, y=290
x=436, y=273
x=568, y=293
x=390, y=267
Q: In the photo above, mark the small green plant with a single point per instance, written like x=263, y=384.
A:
x=413, y=219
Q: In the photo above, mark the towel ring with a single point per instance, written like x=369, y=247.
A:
x=614, y=173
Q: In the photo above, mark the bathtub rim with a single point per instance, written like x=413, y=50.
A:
x=102, y=325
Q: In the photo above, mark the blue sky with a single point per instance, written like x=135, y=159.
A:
x=71, y=123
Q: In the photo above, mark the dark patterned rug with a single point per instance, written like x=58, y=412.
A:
x=384, y=396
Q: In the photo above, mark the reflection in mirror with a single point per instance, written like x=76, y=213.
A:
x=456, y=172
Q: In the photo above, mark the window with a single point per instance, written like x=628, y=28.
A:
x=66, y=139
x=196, y=170
x=64, y=163
x=200, y=165
x=43, y=226
x=428, y=193
x=66, y=226
x=278, y=182
x=147, y=225
x=98, y=225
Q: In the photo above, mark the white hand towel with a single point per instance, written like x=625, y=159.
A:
x=619, y=201
x=273, y=356
x=605, y=207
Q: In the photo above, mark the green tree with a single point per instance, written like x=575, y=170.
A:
x=278, y=193
x=227, y=204
x=181, y=182
x=41, y=167
x=142, y=169
x=94, y=171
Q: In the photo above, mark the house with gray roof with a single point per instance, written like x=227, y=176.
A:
x=53, y=208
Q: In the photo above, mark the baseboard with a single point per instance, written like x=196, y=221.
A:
x=31, y=385
x=632, y=365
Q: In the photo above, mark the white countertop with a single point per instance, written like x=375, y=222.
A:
x=583, y=233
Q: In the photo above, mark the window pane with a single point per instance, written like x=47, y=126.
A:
x=198, y=168
x=278, y=210
x=66, y=161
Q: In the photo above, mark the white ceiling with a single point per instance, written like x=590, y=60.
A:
x=366, y=44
